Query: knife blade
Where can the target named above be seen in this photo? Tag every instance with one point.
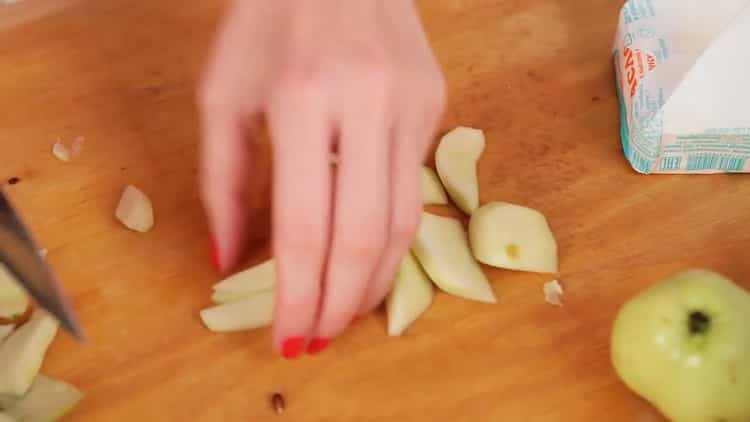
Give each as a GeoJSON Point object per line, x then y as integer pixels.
{"type": "Point", "coordinates": [20, 254]}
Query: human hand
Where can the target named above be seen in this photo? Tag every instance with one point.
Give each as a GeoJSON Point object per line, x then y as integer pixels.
{"type": "Point", "coordinates": [358, 78]}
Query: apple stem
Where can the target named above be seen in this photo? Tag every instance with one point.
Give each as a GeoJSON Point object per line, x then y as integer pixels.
{"type": "Point", "coordinates": [698, 322]}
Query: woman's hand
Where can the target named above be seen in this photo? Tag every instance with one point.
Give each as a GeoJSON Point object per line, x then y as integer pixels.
{"type": "Point", "coordinates": [356, 77]}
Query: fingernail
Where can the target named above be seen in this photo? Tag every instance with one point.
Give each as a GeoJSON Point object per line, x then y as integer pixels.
{"type": "Point", "coordinates": [215, 255]}
{"type": "Point", "coordinates": [292, 347]}
{"type": "Point", "coordinates": [317, 345]}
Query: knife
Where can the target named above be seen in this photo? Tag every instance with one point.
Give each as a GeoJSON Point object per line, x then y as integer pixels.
{"type": "Point", "coordinates": [20, 254]}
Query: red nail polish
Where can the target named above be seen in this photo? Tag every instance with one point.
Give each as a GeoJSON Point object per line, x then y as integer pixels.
{"type": "Point", "coordinates": [292, 347]}
{"type": "Point", "coordinates": [317, 345]}
{"type": "Point", "coordinates": [215, 255]}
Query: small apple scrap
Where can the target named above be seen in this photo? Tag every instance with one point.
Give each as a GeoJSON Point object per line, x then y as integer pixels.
{"type": "Point", "coordinates": [13, 298]}
{"type": "Point", "coordinates": [683, 344]}
{"type": "Point", "coordinates": [552, 292]}
{"type": "Point", "coordinates": [64, 153]}
{"type": "Point", "coordinates": [135, 210]}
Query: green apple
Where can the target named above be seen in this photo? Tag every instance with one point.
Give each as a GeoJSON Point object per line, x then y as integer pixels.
{"type": "Point", "coordinates": [684, 345]}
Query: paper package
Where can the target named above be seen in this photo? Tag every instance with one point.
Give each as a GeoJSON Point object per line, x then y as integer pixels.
{"type": "Point", "coordinates": [683, 80]}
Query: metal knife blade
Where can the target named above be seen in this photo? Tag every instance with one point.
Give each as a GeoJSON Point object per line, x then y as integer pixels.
{"type": "Point", "coordinates": [20, 254]}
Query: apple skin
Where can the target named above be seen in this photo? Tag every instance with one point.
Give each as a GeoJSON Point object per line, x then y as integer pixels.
{"type": "Point", "coordinates": [683, 344]}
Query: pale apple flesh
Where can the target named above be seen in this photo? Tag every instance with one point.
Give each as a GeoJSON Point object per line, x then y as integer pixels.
{"type": "Point", "coordinates": [443, 251]}
{"type": "Point", "coordinates": [47, 400]}
{"type": "Point", "coordinates": [135, 210]}
{"type": "Point", "coordinates": [5, 331]}
{"type": "Point", "coordinates": [13, 298]}
{"type": "Point", "coordinates": [432, 189]}
{"type": "Point", "coordinates": [4, 417]}
{"type": "Point", "coordinates": [513, 237]}
{"type": "Point", "coordinates": [22, 353]}
{"type": "Point", "coordinates": [683, 344]}
{"type": "Point", "coordinates": [255, 311]}
{"type": "Point", "coordinates": [410, 296]}
{"type": "Point", "coordinates": [456, 161]}
{"type": "Point", "coordinates": [252, 280]}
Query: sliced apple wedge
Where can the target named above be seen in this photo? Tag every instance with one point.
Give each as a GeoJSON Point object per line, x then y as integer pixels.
{"type": "Point", "coordinates": [443, 250]}
{"type": "Point", "coordinates": [22, 353]}
{"type": "Point", "coordinates": [252, 312]}
{"type": "Point", "coordinates": [13, 298]}
{"type": "Point", "coordinates": [513, 237]}
{"type": "Point", "coordinates": [410, 296]}
{"type": "Point", "coordinates": [456, 160]}
{"type": "Point", "coordinates": [5, 331]}
{"type": "Point", "coordinates": [135, 210]}
{"type": "Point", "coordinates": [221, 297]}
{"type": "Point", "coordinates": [252, 280]}
{"type": "Point", "coordinates": [432, 189]}
{"type": "Point", "coordinates": [4, 417]}
{"type": "Point", "coordinates": [48, 399]}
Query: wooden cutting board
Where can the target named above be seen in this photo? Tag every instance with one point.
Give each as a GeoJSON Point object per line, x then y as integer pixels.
{"type": "Point", "coordinates": [534, 74]}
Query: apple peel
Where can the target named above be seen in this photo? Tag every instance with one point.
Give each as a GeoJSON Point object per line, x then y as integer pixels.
{"type": "Point", "coordinates": [411, 295]}
{"type": "Point", "coordinates": [443, 251]}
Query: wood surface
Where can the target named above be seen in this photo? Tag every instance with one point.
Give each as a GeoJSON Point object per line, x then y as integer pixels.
{"type": "Point", "coordinates": [534, 74]}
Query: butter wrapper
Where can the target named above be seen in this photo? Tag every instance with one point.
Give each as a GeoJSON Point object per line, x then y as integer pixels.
{"type": "Point", "coordinates": [683, 80]}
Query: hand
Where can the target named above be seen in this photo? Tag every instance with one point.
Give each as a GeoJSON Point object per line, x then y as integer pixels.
{"type": "Point", "coordinates": [356, 77]}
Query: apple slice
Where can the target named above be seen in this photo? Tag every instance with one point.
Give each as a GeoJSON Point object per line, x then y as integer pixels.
{"type": "Point", "coordinates": [456, 160]}
{"type": "Point", "coordinates": [410, 296]}
{"type": "Point", "coordinates": [252, 312]}
{"type": "Point", "coordinates": [13, 297]}
{"type": "Point", "coordinates": [4, 417]}
{"type": "Point", "coordinates": [443, 250]}
{"type": "Point", "coordinates": [48, 399]}
{"type": "Point", "coordinates": [513, 237]}
{"type": "Point", "coordinates": [252, 280]}
{"type": "Point", "coordinates": [221, 297]}
{"type": "Point", "coordinates": [135, 210]}
{"type": "Point", "coordinates": [432, 189]}
{"type": "Point", "coordinates": [5, 331]}
{"type": "Point", "coordinates": [22, 353]}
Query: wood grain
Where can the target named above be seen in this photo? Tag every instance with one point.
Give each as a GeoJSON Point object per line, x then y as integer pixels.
{"type": "Point", "coordinates": [534, 74]}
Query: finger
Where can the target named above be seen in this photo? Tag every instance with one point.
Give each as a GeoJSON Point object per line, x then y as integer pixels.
{"type": "Point", "coordinates": [360, 219]}
{"type": "Point", "coordinates": [405, 212]}
{"type": "Point", "coordinates": [301, 213]}
{"type": "Point", "coordinates": [412, 139]}
{"type": "Point", "coordinates": [225, 166]}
